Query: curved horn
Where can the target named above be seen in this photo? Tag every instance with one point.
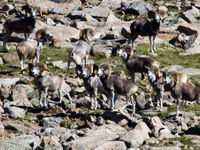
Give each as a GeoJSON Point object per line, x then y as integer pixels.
{"type": "Point", "coordinates": [39, 33]}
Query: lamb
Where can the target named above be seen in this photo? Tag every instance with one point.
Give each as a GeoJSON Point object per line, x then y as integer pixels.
{"type": "Point", "coordinates": [116, 85]}
{"type": "Point", "coordinates": [45, 82]}
{"type": "Point", "coordinates": [24, 25]}
{"type": "Point", "coordinates": [92, 84]}
{"type": "Point", "coordinates": [145, 27]}
{"type": "Point", "coordinates": [136, 63]}
{"type": "Point", "coordinates": [32, 47]}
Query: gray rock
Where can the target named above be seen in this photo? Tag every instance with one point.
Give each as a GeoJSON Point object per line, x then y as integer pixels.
{"type": "Point", "coordinates": [96, 12]}
{"type": "Point", "coordinates": [2, 129]}
{"type": "Point", "coordinates": [8, 81]}
{"type": "Point", "coordinates": [7, 144]}
{"type": "Point", "coordinates": [18, 95]}
{"type": "Point", "coordinates": [101, 51]}
{"type": "Point", "coordinates": [5, 91]}
{"type": "Point", "coordinates": [60, 32]}
{"type": "Point", "coordinates": [116, 145]}
{"type": "Point", "coordinates": [187, 16]}
{"type": "Point", "coordinates": [96, 137]}
{"type": "Point", "coordinates": [112, 4]}
{"type": "Point", "coordinates": [134, 138]}
{"type": "Point", "coordinates": [111, 18]}
{"type": "Point", "coordinates": [51, 143]}
{"type": "Point", "coordinates": [180, 69]}
{"type": "Point", "coordinates": [137, 8]}
{"type": "Point", "coordinates": [58, 10]}
{"type": "Point", "coordinates": [27, 139]}
{"type": "Point", "coordinates": [15, 126]}
{"type": "Point", "coordinates": [11, 58]}
{"type": "Point", "coordinates": [15, 112]}
{"type": "Point", "coordinates": [51, 121]}
{"type": "Point", "coordinates": [157, 125]}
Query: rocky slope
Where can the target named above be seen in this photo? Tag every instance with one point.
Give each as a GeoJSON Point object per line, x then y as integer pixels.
{"type": "Point", "coordinates": [23, 125]}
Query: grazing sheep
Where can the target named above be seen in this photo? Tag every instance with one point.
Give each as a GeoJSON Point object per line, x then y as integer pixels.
{"type": "Point", "coordinates": [136, 63]}
{"type": "Point", "coordinates": [45, 82]}
{"type": "Point", "coordinates": [32, 47]}
{"type": "Point", "coordinates": [25, 24]}
{"type": "Point", "coordinates": [145, 27]}
{"type": "Point", "coordinates": [115, 85]}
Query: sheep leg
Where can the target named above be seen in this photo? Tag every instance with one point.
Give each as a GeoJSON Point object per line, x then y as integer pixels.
{"type": "Point", "coordinates": [133, 105]}
{"type": "Point", "coordinates": [22, 65]}
{"type": "Point", "coordinates": [26, 35]}
{"type": "Point", "coordinates": [68, 65]}
{"type": "Point", "coordinates": [95, 99]}
{"type": "Point", "coordinates": [177, 107]}
{"type": "Point", "coordinates": [70, 98]}
{"type": "Point", "coordinates": [45, 96]}
{"type": "Point", "coordinates": [34, 61]}
{"type": "Point", "coordinates": [112, 100]}
{"type": "Point", "coordinates": [92, 102]}
{"type": "Point", "coordinates": [60, 95]}
{"type": "Point", "coordinates": [37, 57]}
{"type": "Point", "coordinates": [133, 77]}
{"type": "Point", "coordinates": [151, 45]}
{"type": "Point", "coordinates": [5, 40]}
{"type": "Point", "coordinates": [160, 99]}
{"type": "Point", "coordinates": [154, 46]}
{"type": "Point", "coordinates": [40, 98]}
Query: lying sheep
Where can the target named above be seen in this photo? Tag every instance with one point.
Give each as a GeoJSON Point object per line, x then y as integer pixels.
{"type": "Point", "coordinates": [115, 85]}
{"type": "Point", "coordinates": [32, 47]}
{"type": "Point", "coordinates": [25, 24]}
{"type": "Point", "coordinates": [45, 82]}
{"type": "Point", "coordinates": [135, 63]}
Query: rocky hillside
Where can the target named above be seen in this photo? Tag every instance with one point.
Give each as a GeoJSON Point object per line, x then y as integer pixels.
{"type": "Point", "coordinates": [24, 125]}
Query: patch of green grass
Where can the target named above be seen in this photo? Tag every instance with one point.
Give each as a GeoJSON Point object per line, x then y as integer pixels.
{"type": "Point", "coordinates": [183, 140]}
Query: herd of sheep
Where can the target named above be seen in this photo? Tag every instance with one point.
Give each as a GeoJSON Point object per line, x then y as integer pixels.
{"type": "Point", "coordinates": [99, 79]}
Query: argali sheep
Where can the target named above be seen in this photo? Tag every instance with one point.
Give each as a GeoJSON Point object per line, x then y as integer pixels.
{"type": "Point", "coordinates": [116, 85]}
{"type": "Point", "coordinates": [184, 91]}
{"type": "Point", "coordinates": [158, 81]}
{"type": "Point", "coordinates": [135, 63]}
{"type": "Point", "coordinates": [45, 82]}
{"type": "Point", "coordinates": [32, 47]}
{"type": "Point", "coordinates": [24, 25]}
{"type": "Point", "coordinates": [92, 84]}
{"type": "Point", "coordinates": [79, 55]}
{"type": "Point", "coordinates": [145, 27]}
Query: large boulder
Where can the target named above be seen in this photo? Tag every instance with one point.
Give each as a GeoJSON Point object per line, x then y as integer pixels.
{"type": "Point", "coordinates": [96, 12]}
{"type": "Point", "coordinates": [101, 51]}
{"type": "Point", "coordinates": [137, 8]}
{"type": "Point", "coordinates": [134, 138]}
{"type": "Point", "coordinates": [186, 38]}
{"type": "Point", "coordinates": [96, 137]}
